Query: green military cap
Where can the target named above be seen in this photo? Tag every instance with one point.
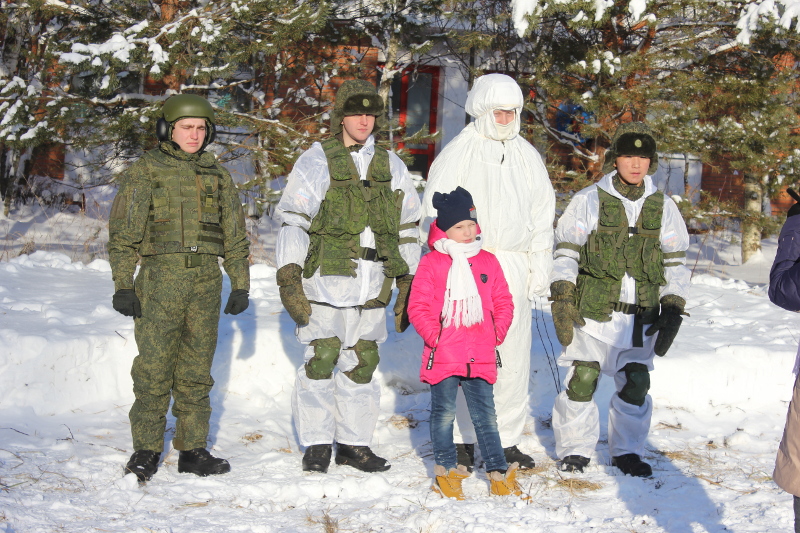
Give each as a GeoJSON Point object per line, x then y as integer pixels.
{"type": "Point", "coordinates": [357, 97]}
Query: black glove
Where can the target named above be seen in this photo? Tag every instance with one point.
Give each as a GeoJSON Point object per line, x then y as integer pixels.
{"type": "Point", "coordinates": [127, 303]}
{"type": "Point", "coordinates": [293, 298]}
{"type": "Point", "coordinates": [565, 313]}
{"type": "Point", "coordinates": [237, 302]}
{"type": "Point", "coordinates": [668, 322]}
{"type": "Point", "coordinates": [403, 283]}
{"type": "Point", "coordinates": [795, 209]}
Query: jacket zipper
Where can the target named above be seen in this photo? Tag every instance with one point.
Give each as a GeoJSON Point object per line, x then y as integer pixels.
{"type": "Point", "coordinates": [469, 370]}
{"type": "Point", "coordinates": [430, 359]}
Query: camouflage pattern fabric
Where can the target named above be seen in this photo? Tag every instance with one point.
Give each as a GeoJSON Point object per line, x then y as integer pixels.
{"type": "Point", "coordinates": [131, 230]}
{"type": "Point", "coordinates": [293, 298]}
{"type": "Point", "coordinates": [401, 321]}
{"type": "Point", "coordinates": [565, 313]}
{"type": "Point", "coordinates": [176, 337]}
{"type": "Point", "coordinates": [631, 192]}
{"type": "Point", "coordinates": [374, 303]}
{"type": "Point", "coordinates": [180, 283]}
{"type": "Point", "coordinates": [635, 128]}
{"type": "Point", "coordinates": [610, 253]}
{"type": "Point", "coordinates": [348, 208]}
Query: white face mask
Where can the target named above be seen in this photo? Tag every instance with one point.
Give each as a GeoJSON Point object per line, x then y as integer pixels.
{"type": "Point", "coordinates": [489, 128]}
{"type": "Point", "coordinates": [506, 131]}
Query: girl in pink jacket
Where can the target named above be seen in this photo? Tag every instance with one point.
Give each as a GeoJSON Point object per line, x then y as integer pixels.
{"type": "Point", "coordinates": [461, 306]}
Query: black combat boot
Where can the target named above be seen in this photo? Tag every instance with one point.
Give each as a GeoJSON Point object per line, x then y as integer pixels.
{"type": "Point", "coordinates": [200, 462]}
{"type": "Point", "coordinates": [143, 464]}
{"type": "Point", "coordinates": [632, 465]}
{"type": "Point", "coordinates": [574, 463]}
{"type": "Point", "coordinates": [317, 458]}
{"type": "Point", "coordinates": [513, 455]}
{"type": "Point", "coordinates": [465, 455]}
{"type": "Point", "coordinates": [360, 457]}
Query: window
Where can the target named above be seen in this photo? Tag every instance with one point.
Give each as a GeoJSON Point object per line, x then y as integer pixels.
{"type": "Point", "coordinates": [415, 102]}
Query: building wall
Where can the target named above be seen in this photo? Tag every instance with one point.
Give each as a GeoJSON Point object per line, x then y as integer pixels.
{"type": "Point", "coordinates": [453, 89]}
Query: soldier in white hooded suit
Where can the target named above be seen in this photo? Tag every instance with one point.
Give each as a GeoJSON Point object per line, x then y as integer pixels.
{"type": "Point", "coordinates": [516, 204]}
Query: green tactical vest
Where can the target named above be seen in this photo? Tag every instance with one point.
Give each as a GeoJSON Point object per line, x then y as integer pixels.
{"type": "Point", "coordinates": [184, 211]}
{"type": "Point", "coordinates": [614, 249]}
{"type": "Point", "coordinates": [349, 206]}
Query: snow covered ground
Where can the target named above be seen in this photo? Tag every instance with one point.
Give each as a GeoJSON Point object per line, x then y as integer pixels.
{"type": "Point", "coordinates": [720, 399]}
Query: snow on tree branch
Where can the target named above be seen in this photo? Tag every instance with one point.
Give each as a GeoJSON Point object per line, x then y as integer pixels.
{"type": "Point", "coordinates": [780, 12]}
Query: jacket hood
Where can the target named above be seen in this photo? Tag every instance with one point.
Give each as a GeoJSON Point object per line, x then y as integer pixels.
{"type": "Point", "coordinates": [435, 234]}
{"type": "Point", "coordinates": [490, 92]}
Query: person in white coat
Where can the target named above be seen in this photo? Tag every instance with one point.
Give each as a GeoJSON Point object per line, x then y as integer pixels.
{"type": "Point", "coordinates": [349, 214]}
{"type": "Point", "coordinates": [512, 192]}
{"type": "Point", "coordinates": [619, 266]}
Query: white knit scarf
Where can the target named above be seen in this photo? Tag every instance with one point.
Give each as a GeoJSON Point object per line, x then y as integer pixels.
{"type": "Point", "coordinates": [462, 302]}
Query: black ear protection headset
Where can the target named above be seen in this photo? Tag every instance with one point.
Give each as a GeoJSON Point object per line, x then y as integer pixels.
{"type": "Point", "coordinates": [164, 131]}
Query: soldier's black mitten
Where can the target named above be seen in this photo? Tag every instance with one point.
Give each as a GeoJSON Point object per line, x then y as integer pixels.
{"type": "Point", "coordinates": [668, 322]}
{"type": "Point", "coordinates": [401, 321]}
{"type": "Point", "coordinates": [127, 303]}
{"type": "Point", "coordinates": [565, 312]}
{"type": "Point", "coordinates": [238, 301]}
{"type": "Point", "coordinates": [290, 283]}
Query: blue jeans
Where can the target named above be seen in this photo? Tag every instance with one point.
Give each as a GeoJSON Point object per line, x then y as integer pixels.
{"type": "Point", "coordinates": [480, 401]}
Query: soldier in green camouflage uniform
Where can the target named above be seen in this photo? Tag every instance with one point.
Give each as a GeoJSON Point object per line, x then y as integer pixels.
{"type": "Point", "coordinates": [349, 214]}
{"type": "Point", "coordinates": [177, 210]}
{"type": "Point", "coordinates": [619, 266]}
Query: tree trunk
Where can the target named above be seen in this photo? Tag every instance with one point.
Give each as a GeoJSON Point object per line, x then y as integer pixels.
{"type": "Point", "coordinates": [687, 188]}
{"type": "Point", "coordinates": [470, 79]}
{"type": "Point", "coordinates": [751, 229]}
{"type": "Point", "coordinates": [168, 9]}
{"type": "Point", "coordinates": [385, 86]}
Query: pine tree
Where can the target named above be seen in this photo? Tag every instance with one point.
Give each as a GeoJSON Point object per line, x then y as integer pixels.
{"type": "Point", "coordinates": [400, 29]}
{"type": "Point", "coordinates": [682, 67]}
{"type": "Point", "coordinates": [101, 53]}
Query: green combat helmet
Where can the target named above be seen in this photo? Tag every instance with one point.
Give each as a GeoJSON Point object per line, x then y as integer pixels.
{"type": "Point", "coordinates": [632, 139]}
{"type": "Point", "coordinates": [185, 106]}
{"type": "Point", "coordinates": [357, 97]}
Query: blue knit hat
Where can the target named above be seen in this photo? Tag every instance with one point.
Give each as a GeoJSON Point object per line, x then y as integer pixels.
{"type": "Point", "coordinates": [453, 207]}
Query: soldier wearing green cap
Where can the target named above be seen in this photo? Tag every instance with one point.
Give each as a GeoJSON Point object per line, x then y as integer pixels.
{"type": "Point", "coordinates": [619, 266]}
{"type": "Point", "coordinates": [349, 214]}
{"type": "Point", "coordinates": [176, 212]}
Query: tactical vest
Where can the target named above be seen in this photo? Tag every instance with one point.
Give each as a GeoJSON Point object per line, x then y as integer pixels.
{"type": "Point", "coordinates": [349, 206]}
{"type": "Point", "coordinates": [614, 249]}
{"type": "Point", "coordinates": [184, 211]}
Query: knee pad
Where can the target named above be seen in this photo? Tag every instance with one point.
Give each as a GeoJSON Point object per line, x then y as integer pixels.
{"type": "Point", "coordinates": [583, 382]}
{"type": "Point", "coordinates": [367, 353]}
{"type": "Point", "coordinates": [326, 354]}
{"type": "Point", "coordinates": [636, 385]}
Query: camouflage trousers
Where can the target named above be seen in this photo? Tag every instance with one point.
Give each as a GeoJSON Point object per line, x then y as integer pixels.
{"type": "Point", "coordinates": [176, 338]}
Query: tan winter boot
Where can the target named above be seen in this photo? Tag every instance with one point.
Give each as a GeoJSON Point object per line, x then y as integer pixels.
{"type": "Point", "coordinates": [506, 485]}
{"type": "Point", "coordinates": [448, 484]}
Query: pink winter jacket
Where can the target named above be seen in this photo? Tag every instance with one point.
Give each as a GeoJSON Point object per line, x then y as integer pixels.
{"type": "Point", "coordinates": [464, 351]}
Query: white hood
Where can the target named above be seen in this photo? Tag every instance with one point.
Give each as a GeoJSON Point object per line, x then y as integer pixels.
{"type": "Point", "coordinates": [490, 92]}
